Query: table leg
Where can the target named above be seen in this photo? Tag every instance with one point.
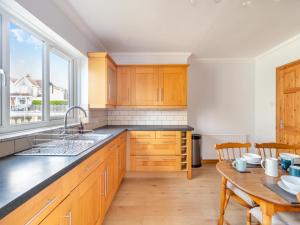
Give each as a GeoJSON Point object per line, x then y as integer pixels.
{"type": "Point", "coordinates": [267, 213]}
{"type": "Point", "coordinates": [222, 201]}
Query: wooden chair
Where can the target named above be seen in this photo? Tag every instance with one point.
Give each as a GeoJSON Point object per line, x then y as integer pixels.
{"type": "Point", "coordinates": [231, 151]}
{"type": "Point", "coordinates": [273, 149]}
{"type": "Point", "coordinates": [281, 218]}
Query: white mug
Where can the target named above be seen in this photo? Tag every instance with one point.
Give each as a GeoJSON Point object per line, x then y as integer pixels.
{"type": "Point", "coordinates": [270, 167]}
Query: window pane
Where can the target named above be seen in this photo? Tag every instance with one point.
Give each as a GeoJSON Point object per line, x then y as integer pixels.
{"type": "Point", "coordinates": [26, 73]}
{"type": "Point", "coordinates": [59, 85]}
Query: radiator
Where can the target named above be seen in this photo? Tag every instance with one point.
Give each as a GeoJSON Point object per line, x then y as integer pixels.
{"type": "Point", "coordinates": [209, 140]}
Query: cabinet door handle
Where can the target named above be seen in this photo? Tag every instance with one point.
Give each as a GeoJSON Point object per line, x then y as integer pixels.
{"type": "Point", "coordinates": [69, 217]}
{"type": "Point", "coordinates": [157, 94]}
{"type": "Point", "coordinates": [162, 94]}
{"type": "Point", "coordinates": [48, 203]}
{"type": "Point", "coordinates": [128, 95]}
{"type": "Point", "coordinates": [105, 182]}
{"type": "Point", "coordinates": [108, 91]}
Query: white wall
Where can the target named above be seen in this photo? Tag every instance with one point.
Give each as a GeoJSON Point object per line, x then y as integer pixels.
{"type": "Point", "coordinates": [221, 99]}
{"type": "Point", "coordinates": [53, 17]}
{"type": "Point", "coordinates": [265, 87]}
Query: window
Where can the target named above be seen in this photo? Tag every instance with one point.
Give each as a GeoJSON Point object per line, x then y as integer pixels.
{"type": "Point", "coordinates": [40, 71]}
{"type": "Point", "coordinates": [59, 85]}
{"type": "Point", "coordinates": [26, 76]}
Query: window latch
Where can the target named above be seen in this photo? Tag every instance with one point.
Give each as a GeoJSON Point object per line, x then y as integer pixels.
{"type": "Point", "coordinates": [3, 77]}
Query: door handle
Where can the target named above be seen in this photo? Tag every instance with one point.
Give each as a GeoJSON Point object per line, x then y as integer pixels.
{"type": "Point", "coordinates": [162, 94]}
{"type": "Point", "coordinates": [48, 203]}
{"type": "Point", "coordinates": [69, 217]}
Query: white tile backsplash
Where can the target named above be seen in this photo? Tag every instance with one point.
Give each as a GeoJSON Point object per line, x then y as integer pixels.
{"type": "Point", "coordinates": [146, 117]}
{"type": "Point", "coordinates": [97, 118]}
{"type": "Point", "coordinates": [102, 117]}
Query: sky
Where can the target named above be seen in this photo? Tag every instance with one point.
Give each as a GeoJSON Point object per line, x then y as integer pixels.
{"type": "Point", "coordinates": [26, 53]}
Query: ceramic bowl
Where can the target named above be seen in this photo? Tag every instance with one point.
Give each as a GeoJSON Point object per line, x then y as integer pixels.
{"type": "Point", "coordinates": [289, 156]}
{"type": "Point", "coordinates": [252, 158]}
{"type": "Point", "coordinates": [291, 182]}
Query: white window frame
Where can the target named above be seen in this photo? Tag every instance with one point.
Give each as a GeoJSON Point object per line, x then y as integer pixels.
{"type": "Point", "coordinates": [51, 43]}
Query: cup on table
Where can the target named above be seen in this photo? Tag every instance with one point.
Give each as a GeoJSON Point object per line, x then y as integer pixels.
{"type": "Point", "coordinates": [286, 163]}
{"type": "Point", "coordinates": [294, 171]}
{"type": "Point", "coordinates": [240, 164]}
{"type": "Point", "coordinates": [270, 165]}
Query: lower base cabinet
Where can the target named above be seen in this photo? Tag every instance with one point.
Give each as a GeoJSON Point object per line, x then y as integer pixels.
{"type": "Point", "coordinates": [61, 215]}
{"type": "Point", "coordinates": [88, 203]}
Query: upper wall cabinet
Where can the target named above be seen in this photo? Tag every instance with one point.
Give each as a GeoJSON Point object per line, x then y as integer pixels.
{"type": "Point", "coordinates": [102, 81]}
{"type": "Point", "coordinates": [163, 86]}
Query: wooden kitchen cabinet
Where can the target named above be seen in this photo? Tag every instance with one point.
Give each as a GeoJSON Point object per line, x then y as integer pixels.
{"type": "Point", "coordinates": [145, 86]}
{"type": "Point", "coordinates": [124, 84]}
{"type": "Point", "coordinates": [102, 81]}
{"type": "Point", "coordinates": [122, 159]}
{"type": "Point", "coordinates": [62, 214]}
{"type": "Point", "coordinates": [160, 151]}
{"type": "Point", "coordinates": [88, 199]}
{"type": "Point", "coordinates": [152, 86]}
{"type": "Point", "coordinates": [172, 86]}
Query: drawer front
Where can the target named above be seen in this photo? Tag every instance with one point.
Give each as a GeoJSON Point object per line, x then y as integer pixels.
{"type": "Point", "coordinates": [38, 207]}
{"type": "Point", "coordinates": [91, 163]}
{"type": "Point", "coordinates": [168, 134]}
{"type": "Point", "coordinates": [142, 134]}
{"type": "Point", "coordinates": [155, 163]}
{"type": "Point", "coordinates": [155, 147]}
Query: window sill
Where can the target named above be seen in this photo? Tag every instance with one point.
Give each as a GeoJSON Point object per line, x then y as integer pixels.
{"type": "Point", "coordinates": [24, 133]}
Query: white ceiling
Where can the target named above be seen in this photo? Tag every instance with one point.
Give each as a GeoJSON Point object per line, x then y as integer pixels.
{"type": "Point", "coordinates": [206, 29]}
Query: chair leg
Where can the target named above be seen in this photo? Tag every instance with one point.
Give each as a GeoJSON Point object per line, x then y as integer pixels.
{"type": "Point", "coordinates": [222, 201]}
{"type": "Point", "coordinates": [226, 201]}
{"type": "Point", "coordinates": [248, 217]}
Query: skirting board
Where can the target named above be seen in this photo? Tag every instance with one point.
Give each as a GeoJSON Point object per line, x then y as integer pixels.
{"type": "Point", "coordinates": [210, 161]}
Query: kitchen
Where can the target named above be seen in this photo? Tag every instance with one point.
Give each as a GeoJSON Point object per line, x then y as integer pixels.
{"type": "Point", "coordinates": [98, 111]}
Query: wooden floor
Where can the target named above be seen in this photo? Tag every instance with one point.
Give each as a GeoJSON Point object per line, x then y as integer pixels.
{"type": "Point", "coordinates": [170, 199]}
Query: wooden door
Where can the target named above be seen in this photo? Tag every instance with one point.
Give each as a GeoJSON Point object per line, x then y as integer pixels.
{"type": "Point", "coordinates": [124, 85]}
{"type": "Point", "coordinates": [288, 103]}
{"type": "Point", "coordinates": [61, 215]}
{"type": "Point", "coordinates": [145, 86]}
{"type": "Point", "coordinates": [111, 83]}
{"type": "Point", "coordinates": [172, 86]}
{"type": "Point", "coordinates": [88, 197]}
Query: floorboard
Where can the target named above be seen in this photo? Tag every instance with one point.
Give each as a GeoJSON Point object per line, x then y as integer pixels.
{"type": "Point", "coordinates": [171, 199]}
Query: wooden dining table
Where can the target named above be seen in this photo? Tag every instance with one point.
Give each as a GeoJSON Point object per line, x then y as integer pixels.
{"type": "Point", "coordinates": [252, 183]}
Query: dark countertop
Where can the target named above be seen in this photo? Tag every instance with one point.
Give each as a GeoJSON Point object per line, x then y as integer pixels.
{"type": "Point", "coordinates": [151, 127]}
{"type": "Point", "coordinates": [22, 177]}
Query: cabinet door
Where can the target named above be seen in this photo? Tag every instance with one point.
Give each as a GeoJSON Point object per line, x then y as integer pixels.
{"type": "Point", "coordinates": [111, 84]}
{"type": "Point", "coordinates": [145, 86]}
{"type": "Point", "coordinates": [121, 161]}
{"type": "Point", "coordinates": [61, 215]}
{"type": "Point", "coordinates": [172, 86]}
{"type": "Point", "coordinates": [124, 85]}
{"type": "Point", "coordinates": [88, 199]}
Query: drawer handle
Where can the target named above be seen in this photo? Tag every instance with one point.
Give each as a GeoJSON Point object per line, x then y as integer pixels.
{"type": "Point", "coordinates": [48, 203]}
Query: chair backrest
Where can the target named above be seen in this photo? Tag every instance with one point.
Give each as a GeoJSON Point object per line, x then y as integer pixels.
{"type": "Point", "coordinates": [273, 149]}
{"type": "Point", "coordinates": [231, 151]}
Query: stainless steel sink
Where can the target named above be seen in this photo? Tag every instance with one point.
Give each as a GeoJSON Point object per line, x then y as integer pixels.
{"type": "Point", "coordinates": [64, 145]}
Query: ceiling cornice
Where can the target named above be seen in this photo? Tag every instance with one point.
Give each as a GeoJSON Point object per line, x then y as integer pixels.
{"type": "Point", "coordinates": [225, 60]}
{"type": "Point", "coordinates": [128, 58]}
{"type": "Point", "coordinates": [70, 12]}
